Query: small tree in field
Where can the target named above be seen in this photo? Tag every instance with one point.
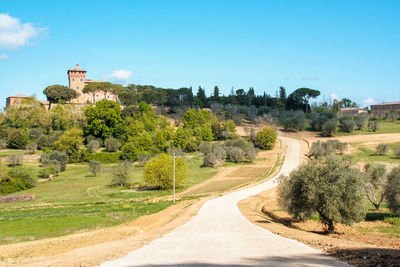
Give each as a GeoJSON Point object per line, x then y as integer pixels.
{"type": "Point", "coordinates": [95, 167]}
{"type": "Point", "coordinates": [329, 128]}
{"type": "Point", "coordinates": [159, 171]}
{"type": "Point", "coordinates": [112, 144]}
{"type": "Point", "coordinates": [375, 181]}
{"type": "Point", "coordinates": [393, 190]}
{"type": "Point", "coordinates": [266, 138]}
{"type": "Point", "coordinates": [16, 159]}
{"type": "Point", "coordinates": [373, 126]}
{"type": "Point", "coordinates": [382, 149]}
{"type": "Point", "coordinates": [122, 174]}
{"type": "Point", "coordinates": [31, 147]}
{"type": "Point", "coordinates": [330, 188]}
{"type": "Point", "coordinates": [396, 152]}
{"type": "Point", "coordinates": [3, 144]}
{"type": "Point", "coordinates": [210, 160]}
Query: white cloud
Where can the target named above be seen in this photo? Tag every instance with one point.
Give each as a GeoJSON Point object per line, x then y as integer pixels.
{"type": "Point", "coordinates": [121, 75]}
{"type": "Point", "coordinates": [3, 57]}
{"type": "Point", "coordinates": [333, 97]}
{"type": "Point", "coordinates": [369, 101]}
{"type": "Point", "coordinates": [14, 34]}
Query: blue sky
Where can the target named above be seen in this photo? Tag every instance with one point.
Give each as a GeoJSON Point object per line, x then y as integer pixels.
{"type": "Point", "coordinates": [347, 48]}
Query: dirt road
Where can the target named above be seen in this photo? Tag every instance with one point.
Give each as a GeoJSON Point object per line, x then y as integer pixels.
{"type": "Point", "coordinates": [220, 235]}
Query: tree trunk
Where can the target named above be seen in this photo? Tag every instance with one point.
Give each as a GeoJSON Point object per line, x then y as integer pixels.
{"type": "Point", "coordinates": [376, 205]}
{"type": "Point", "coordinates": [331, 227]}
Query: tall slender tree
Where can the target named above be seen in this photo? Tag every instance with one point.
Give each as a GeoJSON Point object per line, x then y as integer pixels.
{"type": "Point", "coordinates": [216, 93]}
{"type": "Point", "coordinates": [201, 95]}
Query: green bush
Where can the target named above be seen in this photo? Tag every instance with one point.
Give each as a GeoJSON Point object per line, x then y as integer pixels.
{"type": "Point", "coordinates": [250, 153]}
{"type": "Point", "coordinates": [266, 138]}
{"type": "Point", "coordinates": [159, 171]}
{"type": "Point", "coordinates": [373, 126]}
{"type": "Point", "coordinates": [25, 176]}
{"type": "Point", "coordinates": [47, 171]}
{"type": "Point", "coordinates": [205, 148]}
{"type": "Point", "coordinates": [18, 139]}
{"type": "Point", "coordinates": [396, 152]}
{"type": "Point", "coordinates": [129, 152]}
{"type": "Point", "coordinates": [105, 157]}
{"type": "Point", "coordinates": [144, 157]}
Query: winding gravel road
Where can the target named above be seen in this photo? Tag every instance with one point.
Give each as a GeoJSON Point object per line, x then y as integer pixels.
{"type": "Point", "coordinates": [219, 235]}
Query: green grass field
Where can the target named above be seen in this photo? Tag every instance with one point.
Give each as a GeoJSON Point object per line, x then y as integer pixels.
{"type": "Point", "coordinates": [385, 127]}
{"type": "Point", "coordinates": [365, 154]}
{"type": "Point", "coordinates": [75, 201]}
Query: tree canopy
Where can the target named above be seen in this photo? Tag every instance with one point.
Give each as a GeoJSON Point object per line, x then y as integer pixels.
{"type": "Point", "coordinates": [56, 93]}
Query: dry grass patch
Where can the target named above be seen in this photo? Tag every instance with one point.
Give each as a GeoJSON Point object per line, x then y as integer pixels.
{"type": "Point", "coordinates": [248, 172]}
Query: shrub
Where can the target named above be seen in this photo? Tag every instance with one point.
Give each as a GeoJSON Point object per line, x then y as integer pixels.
{"type": "Point", "coordinates": [69, 143]}
{"type": "Point", "coordinates": [210, 160]}
{"type": "Point", "coordinates": [329, 128]}
{"type": "Point", "coordinates": [266, 138]}
{"type": "Point", "coordinates": [159, 171]}
{"type": "Point", "coordinates": [47, 171]}
{"type": "Point", "coordinates": [393, 190]}
{"type": "Point", "coordinates": [331, 188]}
{"type": "Point", "coordinates": [105, 157]}
{"type": "Point", "coordinates": [324, 149]}
{"type": "Point", "coordinates": [235, 154]}
{"type": "Point", "coordinates": [373, 126]}
{"type": "Point", "coordinates": [31, 147]}
{"type": "Point", "coordinates": [3, 144]}
{"type": "Point", "coordinates": [16, 159]}
{"type": "Point", "coordinates": [205, 148]}
{"type": "Point", "coordinates": [25, 176]}
{"type": "Point", "coordinates": [35, 133]}
{"type": "Point", "coordinates": [347, 125]}
{"type": "Point", "coordinates": [122, 174]}
{"type": "Point", "coordinates": [56, 158]}
{"type": "Point", "coordinates": [112, 144]}
{"type": "Point", "coordinates": [18, 139]}
{"type": "Point", "coordinates": [129, 152]}
{"type": "Point", "coordinates": [95, 167]}
{"type": "Point", "coordinates": [382, 149]}
{"type": "Point", "coordinates": [144, 157]}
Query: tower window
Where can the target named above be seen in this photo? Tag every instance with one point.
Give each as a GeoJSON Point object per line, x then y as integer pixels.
{"type": "Point", "coordinates": [81, 80]}
{"type": "Point", "coordinates": [73, 79]}
{"type": "Point", "coordinates": [77, 88]}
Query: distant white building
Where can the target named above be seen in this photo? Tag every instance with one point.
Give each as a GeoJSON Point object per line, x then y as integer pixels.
{"type": "Point", "coordinates": [352, 111]}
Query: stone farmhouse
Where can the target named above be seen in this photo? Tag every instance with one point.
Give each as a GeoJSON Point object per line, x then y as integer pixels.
{"type": "Point", "coordinates": [352, 111]}
{"type": "Point", "coordinates": [385, 108]}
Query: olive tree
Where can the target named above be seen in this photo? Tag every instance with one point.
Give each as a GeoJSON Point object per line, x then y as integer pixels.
{"type": "Point", "coordinates": [31, 147]}
{"type": "Point", "coordinates": [112, 144]}
{"type": "Point", "coordinates": [95, 167]}
{"type": "Point", "coordinates": [122, 174]}
{"type": "Point", "coordinates": [393, 190]}
{"type": "Point", "coordinates": [375, 181]}
{"type": "Point", "coordinates": [382, 149]}
{"type": "Point", "coordinates": [330, 187]}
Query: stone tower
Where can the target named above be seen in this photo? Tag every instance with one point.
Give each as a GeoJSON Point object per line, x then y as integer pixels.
{"type": "Point", "coordinates": [76, 78]}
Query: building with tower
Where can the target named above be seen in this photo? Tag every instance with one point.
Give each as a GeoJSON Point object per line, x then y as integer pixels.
{"type": "Point", "coordinates": [77, 81]}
